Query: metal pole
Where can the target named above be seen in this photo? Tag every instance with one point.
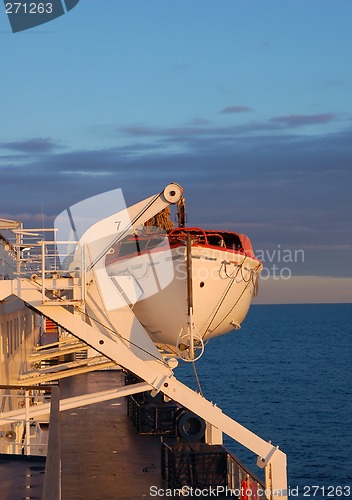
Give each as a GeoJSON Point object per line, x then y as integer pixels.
{"type": "Point", "coordinates": [28, 427]}
{"type": "Point", "coordinates": [190, 294]}
{"type": "Point", "coordinates": [43, 270]}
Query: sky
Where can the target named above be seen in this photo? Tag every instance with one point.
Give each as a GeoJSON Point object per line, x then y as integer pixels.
{"type": "Point", "coordinates": [246, 103]}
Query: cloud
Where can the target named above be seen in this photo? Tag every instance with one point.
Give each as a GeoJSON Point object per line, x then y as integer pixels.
{"type": "Point", "coordinates": [139, 130]}
{"type": "Point", "coordinates": [194, 134]}
{"type": "Point", "coordinates": [201, 134]}
{"type": "Point", "coordinates": [202, 122]}
{"type": "Point", "coordinates": [236, 109]}
{"type": "Point", "coordinates": [303, 120]}
{"type": "Point", "coordinates": [280, 188]}
{"type": "Point", "coordinates": [35, 145]}
{"type": "Point", "coordinates": [198, 132]}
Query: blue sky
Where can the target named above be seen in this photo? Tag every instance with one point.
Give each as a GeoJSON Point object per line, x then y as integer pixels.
{"type": "Point", "coordinates": [246, 103]}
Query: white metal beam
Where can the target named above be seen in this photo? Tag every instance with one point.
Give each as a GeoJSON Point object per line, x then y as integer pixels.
{"type": "Point", "coordinates": [42, 411]}
{"type": "Point", "coordinates": [41, 378]}
{"type": "Point", "coordinates": [38, 356]}
{"type": "Point", "coordinates": [159, 376]}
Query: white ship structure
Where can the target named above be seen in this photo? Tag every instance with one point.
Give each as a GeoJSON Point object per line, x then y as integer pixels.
{"type": "Point", "coordinates": [124, 293]}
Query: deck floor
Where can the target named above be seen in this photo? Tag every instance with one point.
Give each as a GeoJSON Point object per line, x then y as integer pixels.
{"type": "Point", "coordinates": [21, 477]}
{"type": "Point", "coordinates": [103, 458]}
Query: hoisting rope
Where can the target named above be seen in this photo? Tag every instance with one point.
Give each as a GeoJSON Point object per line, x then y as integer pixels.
{"type": "Point", "coordinates": [161, 220]}
{"type": "Point", "coordinates": [118, 335]}
{"type": "Point", "coordinates": [114, 333]}
{"type": "Point", "coordinates": [197, 378]}
{"type": "Point", "coordinates": [181, 212]}
{"type": "Point", "coordinates": [233, 280]}
{"type": "Point", "coordinates": [124, 232]}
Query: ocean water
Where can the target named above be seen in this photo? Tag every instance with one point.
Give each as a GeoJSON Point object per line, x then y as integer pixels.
{"type": "Point", "coordinates": [287, 376]}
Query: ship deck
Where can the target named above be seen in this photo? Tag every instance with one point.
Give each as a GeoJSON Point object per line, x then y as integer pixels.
{"type": "Point", "coordinates": [102, 456]}
{"type": "Point", "coordinates": [21, 477]}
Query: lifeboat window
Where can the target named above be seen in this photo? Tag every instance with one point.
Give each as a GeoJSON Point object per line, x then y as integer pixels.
{"type": "Point", "coordinates": [233, 241]}
{"type": "Point", "coordinates": [127, 247]}
{"type": "Point", "coordinates": [180, 235]}
{"type": "Point", "coordinates": [216, 240]}
{"type": "Point", "coordinates": [154, 242]}
{"type": "Point", "coordinates": [138, 245]}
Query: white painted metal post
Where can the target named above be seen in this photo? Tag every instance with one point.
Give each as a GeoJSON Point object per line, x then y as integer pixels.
{"type": "Point", "coordinates": [213, 435]}
{"type": "Point", "coordinates": [28, 426]}
{"type": "Point", "coordinates": [42, 243]}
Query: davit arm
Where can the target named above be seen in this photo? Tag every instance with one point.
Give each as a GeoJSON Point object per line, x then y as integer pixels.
{"type": "Point", "coordinates": [121, 348]}
{"type": "Point", "coordinates": [105, 233]}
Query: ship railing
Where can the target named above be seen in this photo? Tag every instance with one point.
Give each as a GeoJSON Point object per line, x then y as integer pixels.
{"type": "Point", "coordinates": [201, 467]}
{"type": "Point", "coordinates": [151, 418]}
{"type": "Point", "coordinates": [23, 437]}
{"type": "Point", "coordinates": [46, 261]}
{"type": "Point", "coordinates": [60, 284]}
{"type": "Point", "coordinates": [28, 246]}
{"type": "Point", "coordinates": [241, 479]}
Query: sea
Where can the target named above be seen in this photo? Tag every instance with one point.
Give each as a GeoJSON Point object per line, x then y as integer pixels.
{"type": "Point", "coordinates": [287, 376]}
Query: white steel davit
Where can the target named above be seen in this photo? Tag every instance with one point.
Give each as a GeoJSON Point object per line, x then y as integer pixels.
{"type": "Point", "coordinates": [141, 297]}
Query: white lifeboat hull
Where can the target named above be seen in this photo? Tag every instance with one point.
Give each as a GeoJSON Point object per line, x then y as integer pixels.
{"type": "Point", "coordinates": [156, 285]}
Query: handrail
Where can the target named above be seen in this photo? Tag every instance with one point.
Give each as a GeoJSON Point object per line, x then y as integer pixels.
{"type": "Point", "coordinates": [46, 261]}
{"type": "Point", "coordinates": [187, 230]}
{"type": "Point", "coordinates": [24, 387]}
{"type": "Point", "coordinates": [240, 477]}
{"type": "Point", "coordinates": [26, 396]}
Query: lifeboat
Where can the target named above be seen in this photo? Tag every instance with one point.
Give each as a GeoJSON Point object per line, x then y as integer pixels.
{"type": "Point", "coordinates": [186, 285]}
